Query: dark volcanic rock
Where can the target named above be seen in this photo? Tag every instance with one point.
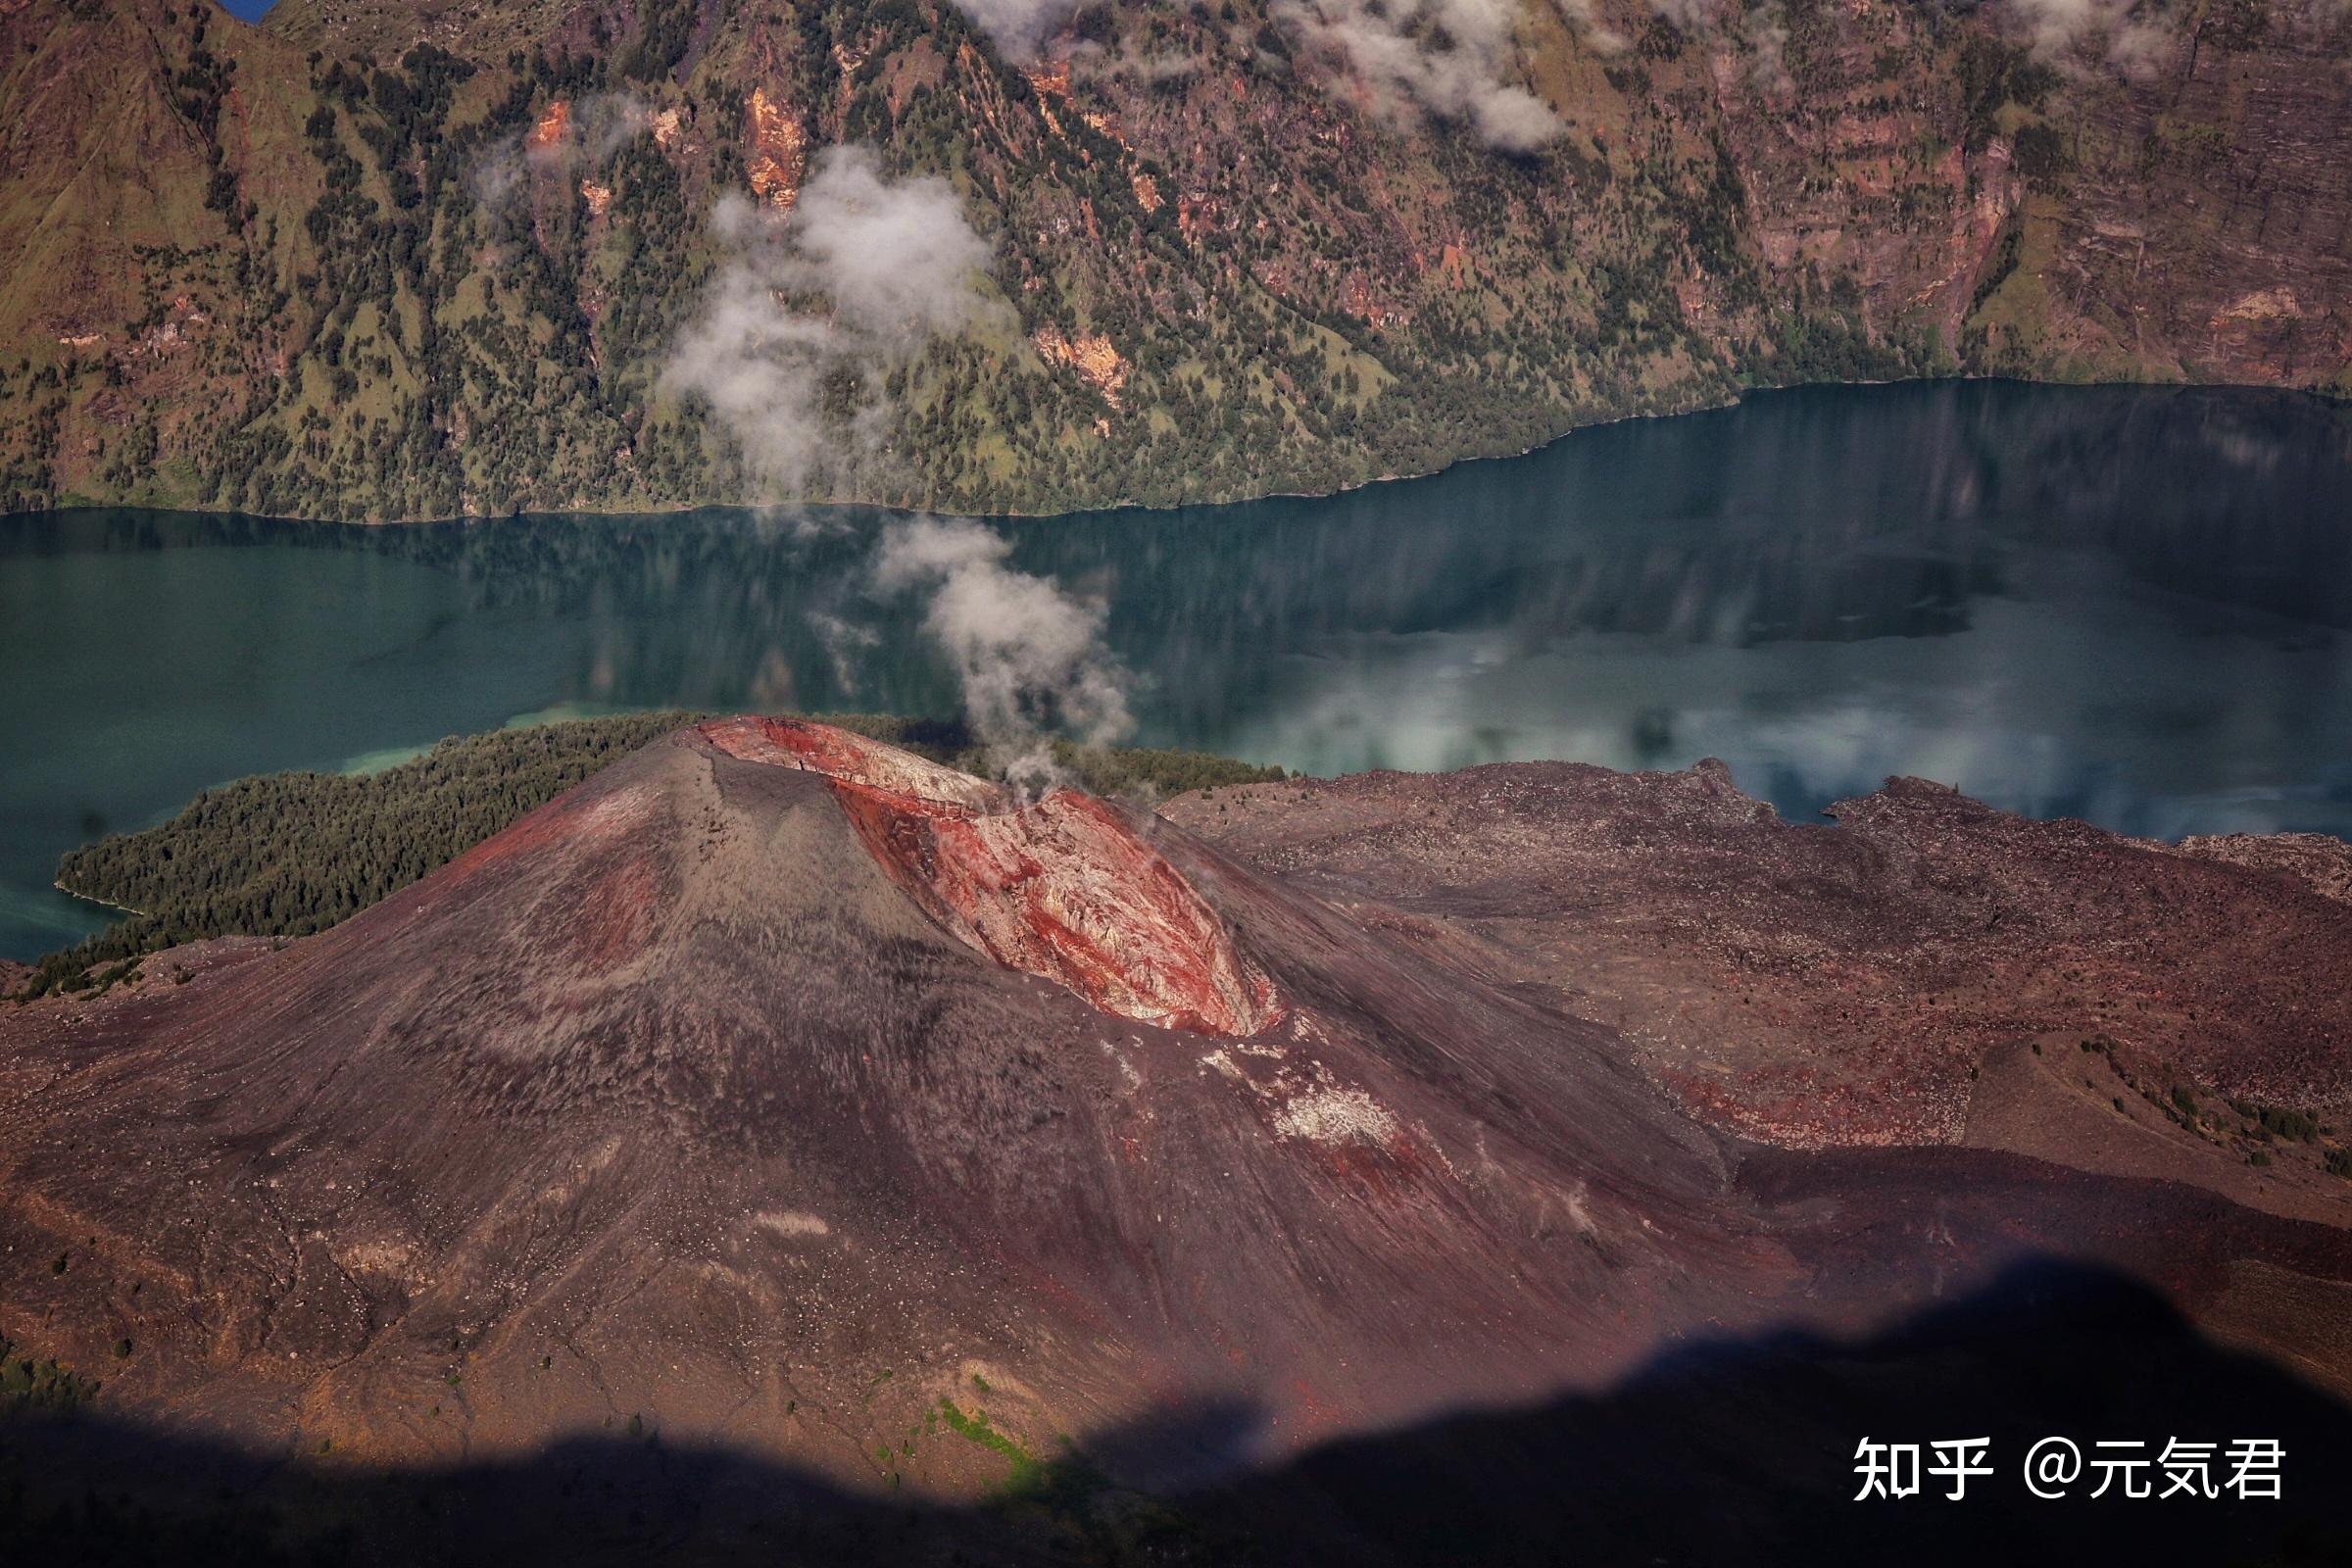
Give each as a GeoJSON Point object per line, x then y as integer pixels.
{"type": "Point", "coordinates": [1814, 985]}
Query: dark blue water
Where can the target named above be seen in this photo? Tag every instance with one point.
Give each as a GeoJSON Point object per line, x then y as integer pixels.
{"type": "Point", "coordinates": [2125, 605]}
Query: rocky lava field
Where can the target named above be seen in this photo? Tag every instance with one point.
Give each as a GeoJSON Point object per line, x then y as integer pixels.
{"type": "Point", "coordinates": [845, 1158]}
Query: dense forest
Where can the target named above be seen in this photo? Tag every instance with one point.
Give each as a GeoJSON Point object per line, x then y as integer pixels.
{"type": "Point", "coordinates": [286, 854]}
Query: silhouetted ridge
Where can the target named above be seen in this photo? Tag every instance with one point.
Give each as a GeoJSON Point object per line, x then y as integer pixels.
{"type": "Point", "coordinates": [1725, 1451]}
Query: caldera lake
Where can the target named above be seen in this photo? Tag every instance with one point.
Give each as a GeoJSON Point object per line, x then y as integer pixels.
{"type": "Point", "coordinates": [2128, 605]}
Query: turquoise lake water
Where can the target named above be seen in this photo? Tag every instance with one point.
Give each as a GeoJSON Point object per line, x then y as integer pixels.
{"type": "Point", "coordinates": [2129, 605]}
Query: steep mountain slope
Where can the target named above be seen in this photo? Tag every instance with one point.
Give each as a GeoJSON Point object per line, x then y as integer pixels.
{"type": "Point", "coordinates": [1225, 255]}
{"type": "Point", "coordinates": [677, 1099]}
{"type": "Point", "coordinates": [140, 278]}
{"type": "Point", "coordinates": [782, 1091]}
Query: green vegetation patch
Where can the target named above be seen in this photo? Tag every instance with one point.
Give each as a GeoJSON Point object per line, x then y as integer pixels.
{"type": "Point", "coordinates": [1066, 1491]}
{"type": "Point", "coordinates": [285, 854]}
{"type": "Point", "coordinates": [1142, 772]}
{"type": "Point", "coordinates": [32, 1385]}
{"type": "Point", "coordinates": [1028, 1475]}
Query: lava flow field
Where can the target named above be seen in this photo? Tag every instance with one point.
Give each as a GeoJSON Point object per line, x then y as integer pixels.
{"type": "Point", "coordinates": [783, 1100]}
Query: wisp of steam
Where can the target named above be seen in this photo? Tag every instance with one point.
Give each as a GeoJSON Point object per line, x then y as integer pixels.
{"type": "Point", "coordinates": [1029, 659]}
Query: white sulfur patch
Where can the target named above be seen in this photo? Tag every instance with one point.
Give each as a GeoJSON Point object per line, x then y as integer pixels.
{"type": "Point", "coordinates": [1130, 1080]}
{"type": "Point", "coordinates": [1337, 1116]}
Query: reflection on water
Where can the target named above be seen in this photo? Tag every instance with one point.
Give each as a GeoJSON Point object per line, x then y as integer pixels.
{"type": "Point", "coordinates": [2126, 605]}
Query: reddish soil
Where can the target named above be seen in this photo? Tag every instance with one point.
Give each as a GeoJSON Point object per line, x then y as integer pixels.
{"type": "Point", "coordinates": [1818, 985]}
{"type": "Point", "coordinates": [1064, 887]}
{"type": "Point", "coordinates": [773, 1087]}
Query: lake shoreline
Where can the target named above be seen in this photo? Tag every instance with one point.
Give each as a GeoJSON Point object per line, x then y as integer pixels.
{"type": "Point", "coordinates": [92, 898]}
{"type": "Point", "coordinates": [2059, 599]}
{"type": "Point", "coordinates": [1117, 507]}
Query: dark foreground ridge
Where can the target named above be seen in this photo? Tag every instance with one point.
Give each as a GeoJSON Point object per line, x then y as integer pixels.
{"type": "Point", "coordinates": [781, 1114]}
{"type": "Point", "coordinates": [1719, 1450]}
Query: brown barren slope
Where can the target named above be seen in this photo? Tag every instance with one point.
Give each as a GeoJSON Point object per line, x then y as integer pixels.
{"type": "Point", "coordinates": [716, 1097]}
{"type": "Point", "coordinates": [1810, 985]}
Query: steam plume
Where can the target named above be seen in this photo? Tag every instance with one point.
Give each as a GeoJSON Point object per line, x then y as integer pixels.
{"type": "Point", "coordinates": [1029, 659]}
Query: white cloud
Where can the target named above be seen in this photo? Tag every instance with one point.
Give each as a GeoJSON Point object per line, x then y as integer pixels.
{"type": "Point", "coordinates": [797, 328]}
{"type": "Point", "coordinates": [1405, 58]}
{"type": "Point", "coordinates": [1692, 16]}
{"type": "Point", "coordinates": [2133, 35]}
{"type": "Point", "coordinates": [896, 257]}
{"type": "Point", "coordinates": [1584, 17]}
{"type": "Point", "coordinates": [1443, 58]}
{"type": "Point", "coordinates": [1019, 27]}
{"type": "Point", "coordinates": [1766, 32]}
